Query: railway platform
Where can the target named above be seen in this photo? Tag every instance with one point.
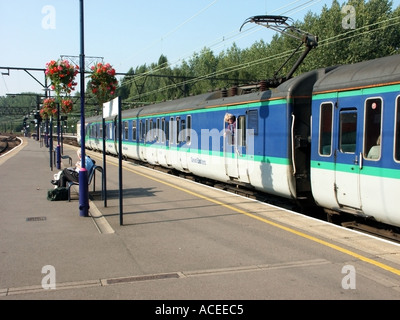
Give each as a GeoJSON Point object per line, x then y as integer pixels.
{"type": "Point", "coordinates": [179, 241]}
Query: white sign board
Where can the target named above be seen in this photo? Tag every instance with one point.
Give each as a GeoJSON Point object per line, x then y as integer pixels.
{"type": "Point", "coordinates": [110, 108]}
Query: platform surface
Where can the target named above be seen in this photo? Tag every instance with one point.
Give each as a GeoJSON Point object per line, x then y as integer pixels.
{"type": "Point", "coordinates": [179, 240]}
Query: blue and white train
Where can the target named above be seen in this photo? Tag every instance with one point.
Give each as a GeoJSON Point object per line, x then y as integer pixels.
{"type": "Point", "coordinates": [330, 137]}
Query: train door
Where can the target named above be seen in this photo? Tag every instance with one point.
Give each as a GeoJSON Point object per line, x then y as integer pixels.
{"type": "Point", "coordinates": [372, 183]}
{"type": "Point", "coordinates": [115, 134]}
{"type": "Point", "coordinates": [347, 157]}
{"type": "Point", "coordinates": [182, 146]}
{"type": "Point", "coordinates": [174, 153]}
{"type": "Point", "coordinates": [164, 139]}
{"type": "Point", "coordinates": [245, 144]}
{"type": "Point", "coordinates": [125, 137]}
{"type": "Point", "coordinates": [230, 150]}
{"type": "Point", "coordinates": [169, 129]}
{"type": "Point", "coordinates": [184, 140]}
{"type": "Point", "coordinates": [235, 147]}
{"type": "Point", "coordinates": [142, 139]}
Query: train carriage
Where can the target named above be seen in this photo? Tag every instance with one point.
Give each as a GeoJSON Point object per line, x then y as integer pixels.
{"type": "Point", "coordinates": [269, 152]}
{"type": "Point", "coordinates": [355, 160]}
{"type": "Point", "coordinates": [329, 138]}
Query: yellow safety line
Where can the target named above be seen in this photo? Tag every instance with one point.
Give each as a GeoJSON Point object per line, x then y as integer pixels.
{"type": "Point", "coordinates": [301, 234]}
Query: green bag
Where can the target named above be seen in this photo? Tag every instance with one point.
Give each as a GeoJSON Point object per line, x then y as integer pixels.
{"type": "Point", "coordinates": [57, 194]}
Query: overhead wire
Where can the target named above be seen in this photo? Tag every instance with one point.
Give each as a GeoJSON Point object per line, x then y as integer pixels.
{"type": "Point", "coordinates": [238, 67]}
{"type": "Point", "coordinates": [232, 35]}
{"type": "Point", "coordinates": [217, 43]}
{"type": "Point", "coordinates": [322, 43]}
{"type": "Point", "coordinates": [169, 33]}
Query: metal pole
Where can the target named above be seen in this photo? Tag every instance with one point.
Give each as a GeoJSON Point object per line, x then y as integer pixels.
{"type": "Point", "coordinates": [51, 143]}
{"type": "Point", "coordinates": [83, 177]}
{"type": "Point", "coordinates": [46, 134]}
{"type": "Point", "coordinates": [121, 214]}
{"type": "Point", "coordinates": [37, 118]}
{"type": "Point", "coordinates": [104, 163]}
{"type": "Point", "coordinates": [58, 151]}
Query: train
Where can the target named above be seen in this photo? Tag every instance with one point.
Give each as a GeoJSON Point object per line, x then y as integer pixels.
{"type": "Point", "coordinates": [328, 138]}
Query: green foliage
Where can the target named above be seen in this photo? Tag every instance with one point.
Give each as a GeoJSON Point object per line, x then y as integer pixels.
{"type": "Point", "coordinates": [13, 122]}
{"type": "Point", "coordinates": [376, 34]}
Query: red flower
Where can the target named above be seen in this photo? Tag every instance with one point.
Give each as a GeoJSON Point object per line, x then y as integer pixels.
{"type": "Point", "coordinates": [61, 74]}
{"type": "Point", "coordinates": [66, 105]}
{"type": "Point", "coordinates": [103, 82]}
{"type": "Point", "coordinates": [49, 108]}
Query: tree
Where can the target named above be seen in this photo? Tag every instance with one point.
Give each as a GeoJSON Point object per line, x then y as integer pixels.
{"type": "Point", "coordinates": [376, 34]}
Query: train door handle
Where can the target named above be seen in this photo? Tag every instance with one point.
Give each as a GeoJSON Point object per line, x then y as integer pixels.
{"type": "Point", "coordinates": [358, 160]}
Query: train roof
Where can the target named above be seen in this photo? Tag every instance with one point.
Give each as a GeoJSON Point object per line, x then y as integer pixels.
{"type": "Point", "coordinates": [300, 86]}
{"type": "Point", "coordinates": [375, 72]}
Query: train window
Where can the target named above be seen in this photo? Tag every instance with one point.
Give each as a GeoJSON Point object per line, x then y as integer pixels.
{"type": "Point", "coordinates": [188, 129]}
{"type": "Point", "coordinates": [116, 130]}
{"type": "Point", "coordinates": [252, 120]}
{"type": "Point", "coordinates": [182, 132]}
{"type": "Point", "coordinates": [348, 131]}
{"type": "Point", "coordinates": [154, 129]}
{"type": "Point", "coordinates": [397, 132]}
{"type": "Point", "coordinates": [142, 130]}
{"type": "Point", "coordinates": [146, 130]}
{"type": "Point", "coordinates": [372, 128]}
{"type": "Point", "coordinates": [134, 130]}
{"type": "Point", "coordinates": [171, 131]}
{"type": "Point", "coordinates": [158, 129]}
{"type": "Point", "coordinates": [325, 129]}
{"type": "Point", "coordinates": [163, 133]}
{"type": "Point", "coordinates": [151, 130]}
{"type": "Point", "coordinates": [110, 131]}
{"type": "Point", "coordinates": [153, 134]}
{"type": "Point", "coordinates": [101, 130]}
{"type": "Point", "coordinates": [177, 128]}
{"type": "Point", "coordinates": [241, 131]}
{"type": "Point", "coordinates": [126, 130]}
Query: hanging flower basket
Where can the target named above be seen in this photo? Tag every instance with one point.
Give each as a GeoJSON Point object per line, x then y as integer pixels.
{"type": "Point", "coordinates": [103, 82]}
{"type": "Point", "coordinates": [49, 108]}
{"type": "Point", "coordinates": [61, 74]}
{"type": "Point", "coordinates": [66, 105]}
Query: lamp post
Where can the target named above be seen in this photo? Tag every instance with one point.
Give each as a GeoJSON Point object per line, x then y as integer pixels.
{"type": "Point", "coordinates": [83, 177]}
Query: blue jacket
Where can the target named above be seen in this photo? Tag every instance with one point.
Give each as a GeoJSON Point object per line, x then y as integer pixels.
{"type": "Point", "coordinates": [89, 164]}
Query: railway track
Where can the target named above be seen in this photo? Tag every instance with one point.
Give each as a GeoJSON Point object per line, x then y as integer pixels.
{"type": "Point", "coordinates": [7, 143]}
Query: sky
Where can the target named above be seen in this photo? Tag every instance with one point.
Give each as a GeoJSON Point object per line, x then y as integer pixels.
{"type": "Point", "coordinates": [128, 33]}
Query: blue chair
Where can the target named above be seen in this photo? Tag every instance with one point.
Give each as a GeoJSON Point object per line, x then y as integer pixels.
{"type": "Point", "coordinates": [91, 177]}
